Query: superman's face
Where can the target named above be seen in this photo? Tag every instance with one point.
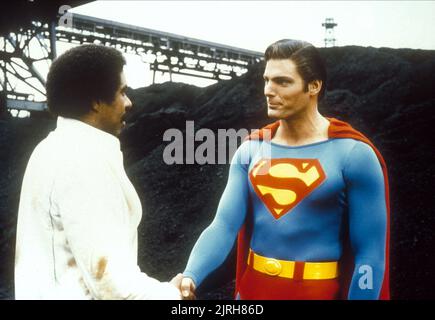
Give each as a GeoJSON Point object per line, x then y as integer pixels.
{"type": "Point", "coordinates": [284, 89]}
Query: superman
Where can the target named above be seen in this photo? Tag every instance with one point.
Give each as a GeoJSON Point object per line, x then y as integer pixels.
{"type": "Point", "coordinates": [306, 198]}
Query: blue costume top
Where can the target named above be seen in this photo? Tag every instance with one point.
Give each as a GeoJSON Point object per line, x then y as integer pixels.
{"type": "Point", "coordinates": [303, 199]}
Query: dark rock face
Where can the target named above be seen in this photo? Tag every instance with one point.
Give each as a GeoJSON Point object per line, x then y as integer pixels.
{"type": "Point", "coordinates": [385, 93]}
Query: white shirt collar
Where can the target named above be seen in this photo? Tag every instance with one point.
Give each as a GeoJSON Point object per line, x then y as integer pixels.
{"type": "Point", "coordinates": [80, 128]}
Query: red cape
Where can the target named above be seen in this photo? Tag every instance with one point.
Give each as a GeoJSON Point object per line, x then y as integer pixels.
{"type": "Point", "coordinates": [337, 129]}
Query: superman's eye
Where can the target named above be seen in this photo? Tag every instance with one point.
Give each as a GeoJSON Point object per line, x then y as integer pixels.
{"type": "Point", "coordinates": [283, 82]}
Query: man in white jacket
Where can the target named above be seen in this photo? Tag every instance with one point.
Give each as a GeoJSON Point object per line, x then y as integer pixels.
{"type": "Point", "coordinates": [79, 212]}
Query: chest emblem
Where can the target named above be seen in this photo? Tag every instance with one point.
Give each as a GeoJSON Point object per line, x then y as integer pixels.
{"type": "Point", "coordinates": [283, 183]}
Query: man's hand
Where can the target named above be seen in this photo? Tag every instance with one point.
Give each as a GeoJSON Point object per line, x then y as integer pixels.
{"type": "Point", "coordinates": [176, 281]}
{"type": "Point", "coordinates": [187, 289]}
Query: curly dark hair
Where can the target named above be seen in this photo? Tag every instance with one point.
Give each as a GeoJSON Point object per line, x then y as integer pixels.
{"type": "Point", "coordinates": [309, 63]}
{"type": "Point", "coordinates": [82, 76]}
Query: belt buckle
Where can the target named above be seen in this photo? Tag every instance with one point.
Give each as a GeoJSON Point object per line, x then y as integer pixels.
{"type": "Point", "coordinates": [272, 267]}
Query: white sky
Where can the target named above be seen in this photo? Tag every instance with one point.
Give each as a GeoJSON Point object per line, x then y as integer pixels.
{"type": "Point", "coordinates": [256, 24]}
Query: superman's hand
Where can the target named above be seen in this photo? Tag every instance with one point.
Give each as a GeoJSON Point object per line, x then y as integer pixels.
{"type": "Point", "coordinates": [187, 289]}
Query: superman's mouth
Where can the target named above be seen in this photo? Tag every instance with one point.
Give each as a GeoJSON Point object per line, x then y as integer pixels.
{"type": "Point", "coordinates": [273, 106]}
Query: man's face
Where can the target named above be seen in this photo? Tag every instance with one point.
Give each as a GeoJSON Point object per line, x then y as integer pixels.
{"type": "Point", "coordinates": [111, 116]}
{"type": "Point", "coordinates": [284, 89]}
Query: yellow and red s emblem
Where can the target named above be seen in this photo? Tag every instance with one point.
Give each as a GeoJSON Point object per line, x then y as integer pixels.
{"type": "Point", "coordinates": [282, 183]}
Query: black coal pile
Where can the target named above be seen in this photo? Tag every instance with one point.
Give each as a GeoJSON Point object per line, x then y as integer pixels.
{"type": "Point", "coordinates": [385, 93]}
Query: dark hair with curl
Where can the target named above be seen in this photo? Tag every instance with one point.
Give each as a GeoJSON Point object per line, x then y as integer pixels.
{"type": "Point", "coordinates": [309, 63]}
{"type": "Point", "coordinates": [82, 76]}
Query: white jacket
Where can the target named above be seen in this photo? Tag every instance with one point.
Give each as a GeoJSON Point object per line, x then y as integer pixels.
{"type": "Point", "coordinates": [77, 222]}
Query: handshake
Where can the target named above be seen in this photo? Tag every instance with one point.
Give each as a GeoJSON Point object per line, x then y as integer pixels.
{"type": "Point", "coordinates": [185, 285]}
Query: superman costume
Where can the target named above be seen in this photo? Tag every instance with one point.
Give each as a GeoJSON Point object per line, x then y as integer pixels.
{"type": "Point", "coordinates": [313, 220]}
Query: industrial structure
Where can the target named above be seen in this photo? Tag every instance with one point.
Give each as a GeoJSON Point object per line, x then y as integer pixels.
{"type": "Point", "coordinates": [31, 39]}
{"type": "Point", "coordinates": [329, 39]}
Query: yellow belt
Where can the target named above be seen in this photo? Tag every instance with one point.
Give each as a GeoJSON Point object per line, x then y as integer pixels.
{"type": "Point", "coordinates": [286, 269]}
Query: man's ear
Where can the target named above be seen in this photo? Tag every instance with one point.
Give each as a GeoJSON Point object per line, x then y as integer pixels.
{"type": "Point", "coordinates": [96, 106]}
{"type": "Point", "coordinates": [314, 87]}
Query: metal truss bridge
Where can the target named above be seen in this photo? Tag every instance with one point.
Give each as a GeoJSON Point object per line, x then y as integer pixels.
{"type": "Point", "coordinates": [22, 48]}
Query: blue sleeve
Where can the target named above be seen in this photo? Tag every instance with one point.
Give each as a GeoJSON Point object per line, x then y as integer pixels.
{"type": "Point", "coordinates": [367, 221]}
{"type": "Point", "coordinates": [217, 240]}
